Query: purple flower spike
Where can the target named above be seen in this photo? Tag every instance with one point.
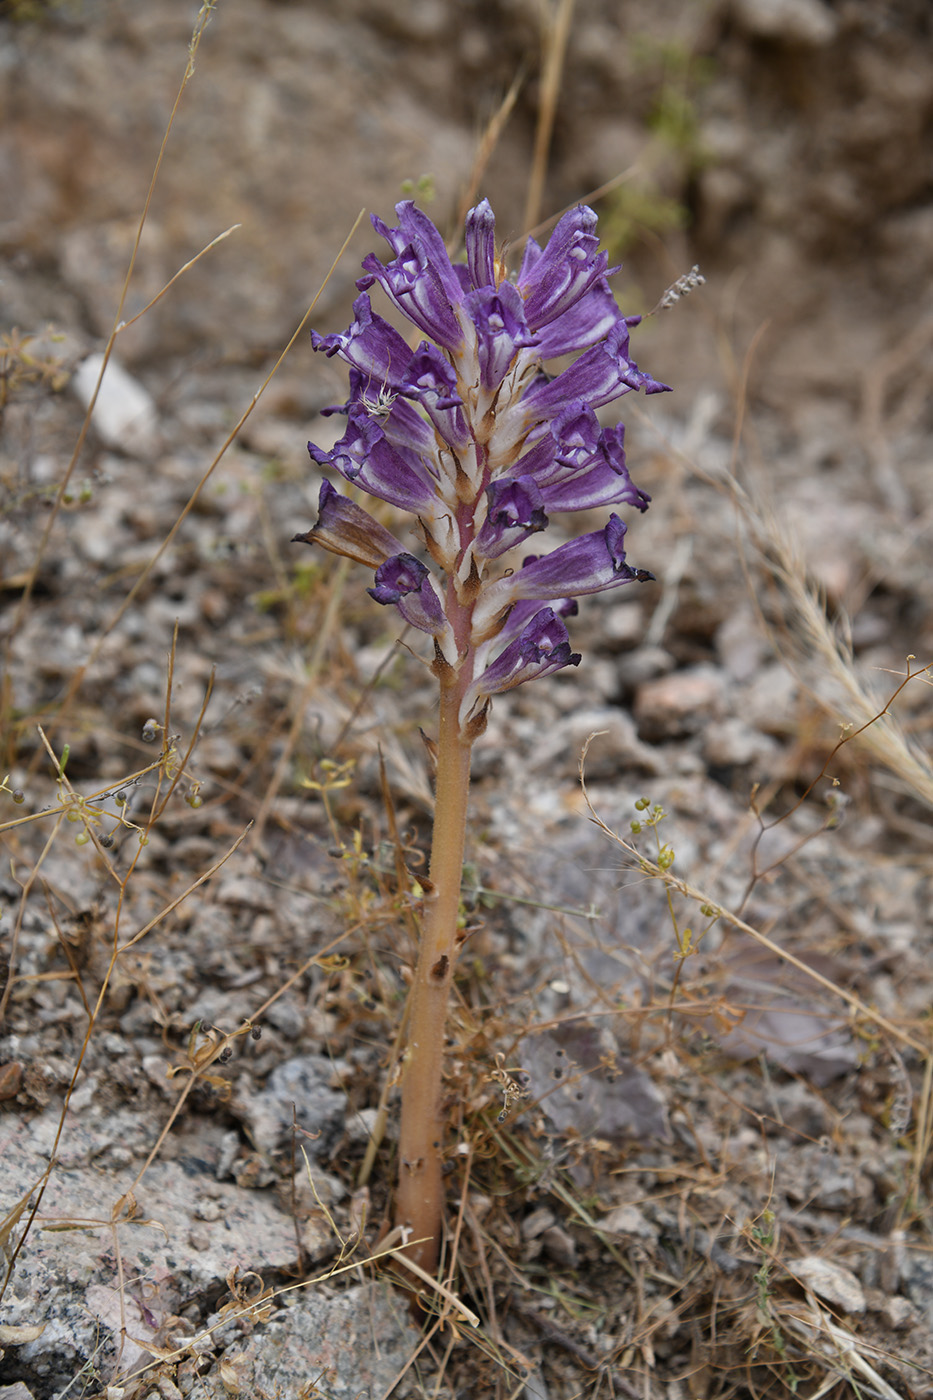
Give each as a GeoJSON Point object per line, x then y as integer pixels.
{"type": "Point", "coordinates": [472, 436]}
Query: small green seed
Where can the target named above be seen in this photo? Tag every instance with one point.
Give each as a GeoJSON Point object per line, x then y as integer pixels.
{"type": "Point", "coordinates": [82, 838]}
{"type": "Point", "coordinates": [18, 796]}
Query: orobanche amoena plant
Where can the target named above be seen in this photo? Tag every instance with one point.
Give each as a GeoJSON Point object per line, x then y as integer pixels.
{"type": "Point", "coordinates": [470, 436]}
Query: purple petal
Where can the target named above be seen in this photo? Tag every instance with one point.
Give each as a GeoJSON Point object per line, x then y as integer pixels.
{"type": "Point", "coordinates": [553, 281]}
{"type": "Point", "coordinates": [583, 324]}
{"type": "Point", "coordinates": [432, 380]}
{"type": "Point", "coordinates": [371, 345]}
{"type": "Point", "coordinates": [589, 467]}
{"type": "Point", "coordinates": [481, 244]}
{"type": "Point", "coordinates": [499, 317]}
{"type": "Point", "coordinates": [598, 376]}
{"type": "Point", "coordinates": [405, 582]}
{"type": "Point", "coordinates": [365, 457]}
{"type": "Point", "coordinates": [345, 528]}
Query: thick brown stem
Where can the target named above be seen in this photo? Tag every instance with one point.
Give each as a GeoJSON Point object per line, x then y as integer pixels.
{"type": "Point", "coordinates": [420, 1197]}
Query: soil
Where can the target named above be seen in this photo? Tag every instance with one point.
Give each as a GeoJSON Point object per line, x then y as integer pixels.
{"type": "Point", "coordinates": [712, 1177]}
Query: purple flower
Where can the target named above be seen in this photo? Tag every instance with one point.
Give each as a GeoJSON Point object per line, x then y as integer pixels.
{"type": "Point", "coordinates": [515, 510]}
{"type": "Point", "coordinates": [542, 646]}
{"type": "Point", "coordinates": [345, 528]}
{"type": "Point", "coordinates": [589, 564]}
{"type": "Point", "coordinates": [404, 581]}
{"type": "Point", "coordinates": [419, 280]}
{"type": "Point", "coordinates": [470, 435]}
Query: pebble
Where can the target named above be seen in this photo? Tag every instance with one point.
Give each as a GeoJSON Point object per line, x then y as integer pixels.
{"type": "Point", "coordinates": [795, 21]}
{"type": "Point", "coordinates": [832, 1282]}
{"type": "Point", "coordinates": [124, 415]}
{"type": "Point", "coordinates": [731, 742]}
{"type": "Point", "coordinates": [629, 1220]}
{"type": "Point", "coordinates": [678, 704]}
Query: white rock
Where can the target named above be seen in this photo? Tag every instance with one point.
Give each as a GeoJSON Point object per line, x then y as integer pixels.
{"type": "Point", "coordinates": [124, 415]}
{"type": "Point", "coordinates": [837, 1285]}
{"type": "Point", "coordinates": [628, 1220]}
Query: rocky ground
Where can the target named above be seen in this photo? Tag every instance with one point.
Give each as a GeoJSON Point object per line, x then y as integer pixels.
{"type": "Point", "coordinates": [720, 1182]}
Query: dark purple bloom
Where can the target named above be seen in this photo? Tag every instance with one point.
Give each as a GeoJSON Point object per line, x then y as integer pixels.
{"type": "Point", "coordinates": [480, 242]}
{"type": "Point", "coordinates": [498, 313]}
{"type": "Point", "coordinates": [404, 581]}
{"type": "Point", "coordinates": [542, 646]}
{"type": "Point", "coordinates": [370, 344]}
{"type": "Point", "coordinates": [559, 278]}
{"type": "Point", "coordinates": [515, 510]}
{"type": "Point", "coordinates": [419, 280]}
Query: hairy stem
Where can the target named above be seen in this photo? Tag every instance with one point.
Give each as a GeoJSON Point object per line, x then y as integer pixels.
{"type": "Point", "coordinates": [420, 1196]}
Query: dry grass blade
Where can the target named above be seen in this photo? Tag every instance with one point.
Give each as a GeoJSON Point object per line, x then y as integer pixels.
{"type": "Point", "coordinates": [818, 651]}
{"type": "Point", "coordinates": [699, 897]}
{"type": "Point", "coordinates": [201, 23]}
{"type": "Point", "coordinates": [842, 1350]}
{"type": "Point", "coordinates": [822, 657]}
{"type": "Point", "coordinates": [555, 34]}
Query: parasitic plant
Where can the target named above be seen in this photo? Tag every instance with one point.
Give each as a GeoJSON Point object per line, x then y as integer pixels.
{"type": "Point", "coordinates": [469, 435]}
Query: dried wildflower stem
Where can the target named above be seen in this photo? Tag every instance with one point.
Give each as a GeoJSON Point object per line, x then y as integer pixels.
{"type": "Point", "coordinates": [419, 1201]}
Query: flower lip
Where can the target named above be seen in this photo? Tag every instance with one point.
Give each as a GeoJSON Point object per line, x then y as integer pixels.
{"type": "Point", "coordinates": [370, 344]}
{"type": "Point", "coordinates": [404, 582]}
{"type": "Point", "coordinates": [515, 510]}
